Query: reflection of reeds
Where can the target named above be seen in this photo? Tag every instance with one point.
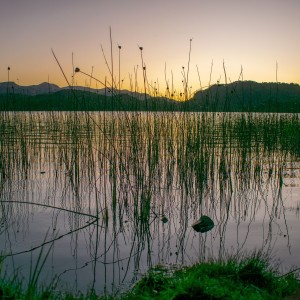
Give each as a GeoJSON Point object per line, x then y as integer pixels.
{"type": "Point", "coordinates": [199, 145]}
{"type": "Point", "coordinates": [189, 151]}
{"type": "Point", "coordinates": [156, 164]}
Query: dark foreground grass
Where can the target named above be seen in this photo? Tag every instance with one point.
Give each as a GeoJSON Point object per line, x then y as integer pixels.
{"type": "Point", "coordinates": [252, 278]}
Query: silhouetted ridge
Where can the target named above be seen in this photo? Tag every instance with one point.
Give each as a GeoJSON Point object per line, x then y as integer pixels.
{"type": "Point", "coordinates": [248, 96]}
{"type": "Point", "coordinates": [239, 96]}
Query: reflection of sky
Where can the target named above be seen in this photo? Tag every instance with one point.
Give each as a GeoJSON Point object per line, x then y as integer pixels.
{"type": "Point", "coordinates": [250, 213]}
{"type": "Point", "coordinates": [254, 34]}
{"type": "Point", "coordinates": [76, 251]}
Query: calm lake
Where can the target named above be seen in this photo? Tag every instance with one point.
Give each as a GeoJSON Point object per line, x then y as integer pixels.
{"type": "Point", "coordinates": [93, 200]}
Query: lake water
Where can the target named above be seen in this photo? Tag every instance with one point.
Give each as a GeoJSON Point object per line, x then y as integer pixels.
{"type": "Point", "coordinates": [94, 200]}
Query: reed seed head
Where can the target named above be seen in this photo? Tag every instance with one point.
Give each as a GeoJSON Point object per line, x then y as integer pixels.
{"type": "Point", "coordinates": [8, 68]}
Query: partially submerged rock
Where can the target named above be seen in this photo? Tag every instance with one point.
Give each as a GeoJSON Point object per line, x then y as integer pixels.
{"type": "Point", "coordinates": [164, 219]}
{"type": "Point", "coordinates": [204, 224]}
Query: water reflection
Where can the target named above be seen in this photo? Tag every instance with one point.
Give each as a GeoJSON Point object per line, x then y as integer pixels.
{"type": "Point", "coordinates": [112, 194]}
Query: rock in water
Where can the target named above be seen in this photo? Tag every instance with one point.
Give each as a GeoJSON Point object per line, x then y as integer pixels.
{"type": "Point", "coordinates": [204, 224]}
{"type": "Point", "coordinates": [164, 219]}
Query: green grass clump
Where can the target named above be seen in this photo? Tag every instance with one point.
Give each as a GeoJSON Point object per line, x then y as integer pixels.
{"type": "Point", "coordinates": [249, 279]}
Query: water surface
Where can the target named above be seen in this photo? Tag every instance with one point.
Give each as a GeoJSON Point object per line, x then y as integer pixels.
{"type": "Point", "coordinates": [110, 195]}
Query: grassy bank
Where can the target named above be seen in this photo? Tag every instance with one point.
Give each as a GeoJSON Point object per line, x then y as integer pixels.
{"type": "Point", "coordinates": [251, 278]}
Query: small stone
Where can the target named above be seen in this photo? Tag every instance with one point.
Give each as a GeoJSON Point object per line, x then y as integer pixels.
{"type": "Point", "coordinates": [204, 224]}
{"type": "Point", "coordinates": [164, 219]}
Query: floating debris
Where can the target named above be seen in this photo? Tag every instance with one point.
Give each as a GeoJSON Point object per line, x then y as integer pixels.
{"type": "Point", "coordinates": [204, 224]}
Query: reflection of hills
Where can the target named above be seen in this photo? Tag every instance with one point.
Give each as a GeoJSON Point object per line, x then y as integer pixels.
{"type": "Point", "coordinates": [236, 96]}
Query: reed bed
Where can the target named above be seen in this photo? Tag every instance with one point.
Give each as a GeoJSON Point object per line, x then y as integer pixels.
{"type": "Point", "coordinates": [139, 180]}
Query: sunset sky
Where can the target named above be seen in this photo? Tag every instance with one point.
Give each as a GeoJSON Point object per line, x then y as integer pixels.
{"type": "Point", "coordinates": [252, 34]}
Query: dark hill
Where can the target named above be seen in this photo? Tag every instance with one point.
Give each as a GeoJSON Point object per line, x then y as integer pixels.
{"type": "Point", "coordinates": [43, 88]}
{"type": "Point", "coordinates": [248, 96]}
{"type": "Point", "coordinates": [77, 100]}
{"type": "Point", "coordinates": [237, 96]}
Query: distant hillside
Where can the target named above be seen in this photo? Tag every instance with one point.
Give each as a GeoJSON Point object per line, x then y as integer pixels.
{"type": "Point", "coordinates": [237, 96]}
{"type": "Point", "coordinates": [248, 96]}
{"type": "Point", "coordinates": [48, 88]}
{"type": "Point", "coordinates": [77, 100]}
{"type": "Point", "coordinates": [32, 90]}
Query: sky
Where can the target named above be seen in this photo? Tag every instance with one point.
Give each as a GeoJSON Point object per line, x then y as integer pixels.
{"type": "Point", "coordinates": [251, 40]}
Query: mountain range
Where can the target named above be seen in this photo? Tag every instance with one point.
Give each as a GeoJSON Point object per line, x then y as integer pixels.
{"type": "Point", "coordinates": [236, 96]}
{"type": "Point", "coordinates": [48, 88]}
